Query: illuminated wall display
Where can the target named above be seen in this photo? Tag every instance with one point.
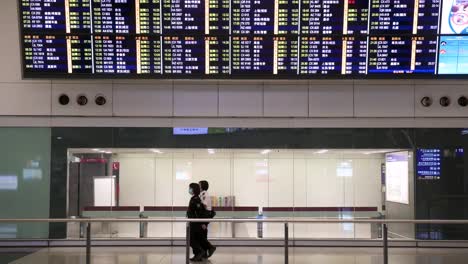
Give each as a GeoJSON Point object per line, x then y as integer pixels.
{"type": "Point", "coordinates": [244, 38]}
{"type": "Point", "coordinates": [397, 177]}
{"type": "Point", "coordinates": [428, 163]}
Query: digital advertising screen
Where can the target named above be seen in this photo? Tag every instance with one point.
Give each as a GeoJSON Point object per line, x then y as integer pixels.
{"type": "Point", "coordinates": [397, 177]}
{"type": "Point", "coordinates": [245, 39]}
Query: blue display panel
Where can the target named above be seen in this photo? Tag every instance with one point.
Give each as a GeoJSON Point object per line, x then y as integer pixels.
{"type": "Point", "coordinates": [247, 38]}
{"type": "Point", "coordinates": [400, 55]}
{"type": "Point", "coordinates": [183, 17]}
{"type": "Point", "coordinates": [219, 16]}
{"type": "Point", "coordinates": [453, 55]}
{"type": "Point", "coordinates": [148, 16]}
{"type": "Point", "coordinates": [321, 55]}
{"type": "Point", "coordinates": [149, 56]}
{"type": "Point", "coordinates": [285, 55]}
{"type": "Point", "coordinates": [428, 163]}
{"type": "Point", "coordinates": [322, 17]}
{"type": "Point", "coordinates": [355, 60]}
{"type": "Point", "coordinates": [428, 17]}
{"type": "Point", "coordinates": [44, 53]}
{"type": "Point", "coordinates": [253, 17]}
{"type": "Point", "coordinates": [252, 55]}
{"type": "Point", "coordinates": [113, 16]}
{"type": "Point", "coordinates": [217, 55]}
{"type": "Point", "coordinates": [42, 16]}
{"type": "Point", "coordinates": [79, 54]}
{"type": "Point", "coordinates": [287, 17]}
{"type": "Point", "coordinates": [114, 55]}
{"type": "Point", "coordinates": [356, 17]}
{"type": "Point", "coordinates": [183, 55]}
{"type": "Point", "coordinates": [394, 16]}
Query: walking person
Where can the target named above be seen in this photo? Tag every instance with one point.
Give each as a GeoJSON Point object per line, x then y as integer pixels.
{"type": "Point", "coordinates": [196, 209]}
{"type": "Point", "coordinates": [206, 200]}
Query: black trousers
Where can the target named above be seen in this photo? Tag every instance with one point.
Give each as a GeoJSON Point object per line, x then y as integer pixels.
{"type": "Point", "coordinates": [205, 243]}
{"type": "Point", "coordinates": [196, 238]}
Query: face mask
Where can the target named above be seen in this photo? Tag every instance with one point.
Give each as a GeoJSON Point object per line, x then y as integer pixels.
{"type": "Point", "coordinates": [190, 191]}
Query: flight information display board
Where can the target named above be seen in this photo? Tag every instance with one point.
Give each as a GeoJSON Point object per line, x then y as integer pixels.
{"type": "Point", "coordinates": [430, 163]}
{"type": "Point", "coordinates": [244, 38]}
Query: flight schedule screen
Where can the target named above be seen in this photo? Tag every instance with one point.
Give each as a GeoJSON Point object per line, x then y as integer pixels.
{"type": "Point", "coordinates": [287, 39]}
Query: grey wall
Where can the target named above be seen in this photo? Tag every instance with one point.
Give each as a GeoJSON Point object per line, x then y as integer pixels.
{"type": "Point", "coordinates": [313, 103]}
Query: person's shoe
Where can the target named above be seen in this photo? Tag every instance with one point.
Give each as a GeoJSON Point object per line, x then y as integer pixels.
{"type": "Point", "coordinates": [198, 257]}
{"type": "Point", "coordinates": [210, 252]}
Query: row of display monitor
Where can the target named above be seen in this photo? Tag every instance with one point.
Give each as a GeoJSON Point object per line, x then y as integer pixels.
{"type": "Point", "coordinates": [244, 38]}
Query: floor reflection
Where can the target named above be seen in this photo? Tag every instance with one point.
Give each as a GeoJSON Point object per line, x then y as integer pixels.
{"type": "Point", "coordinates": [251, 255]}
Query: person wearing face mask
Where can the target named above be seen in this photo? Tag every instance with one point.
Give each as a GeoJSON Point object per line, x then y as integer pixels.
{"type": "Point", "coordinates": [196, 209]}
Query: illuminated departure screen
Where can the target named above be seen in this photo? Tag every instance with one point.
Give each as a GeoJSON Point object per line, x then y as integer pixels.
{"type": "Point", "coordinates": [270, 39]}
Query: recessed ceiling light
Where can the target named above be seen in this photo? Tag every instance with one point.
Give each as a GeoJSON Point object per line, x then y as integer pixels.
{"type": "Point", "coordinates": [266, 151]}
{"type": "Point", "coordinates": [323, 151]}
{"type": "Point", "coordinates": [375, 152]}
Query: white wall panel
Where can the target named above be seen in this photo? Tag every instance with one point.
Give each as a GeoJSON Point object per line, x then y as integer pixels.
{"type": "Point", "coordinates": [384, 100]}
{"type": "Point", "coordinates": [331, 100]}
{"type": "Point", "coordinates": [10, 68]}
{"type": "Point", "coordinates": [137, 181]}
{"type": "Point", "coordinates": [195, 100]}
{"type": "Point", "coordinates": [250, 176]}
{"type": "Point", "coordinates": [367, 177]}
{"type": "Point", "coordinates": [324, 187]}
{"type": "Point", "coordinates": [25, 98]}
{"type": "Point", "coordinates": [143, 100]}
{"type": "Point", "coordinates": [285, 100]}
{"type": "Point", "coordinates": [244, 100]}
{"type": "Point", "coordinates": [300, 180]}
{"type": "Point", "coordinates": [436, 92]}
{"type": "Point", "coordinates": [73, 90]}
{"type": "Point", "coordinates": [163, 182]}
{"type": "Point", "coordinates": [281, 182]}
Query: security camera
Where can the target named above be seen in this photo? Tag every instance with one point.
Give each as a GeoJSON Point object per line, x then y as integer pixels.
{"type": "Point", "coordinates": [64, 99]}
{"type": "Point", "coordinates": [426, 101]}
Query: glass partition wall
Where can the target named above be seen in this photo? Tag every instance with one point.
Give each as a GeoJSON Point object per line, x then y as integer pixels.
{"type": "Point", "coordinates": [244, 183]}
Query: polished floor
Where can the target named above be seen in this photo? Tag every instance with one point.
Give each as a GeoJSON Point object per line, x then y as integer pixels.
{"type": "Point", "coordinates": [227, 255]}
{"type": "Point", "coordinates": [8, 255]}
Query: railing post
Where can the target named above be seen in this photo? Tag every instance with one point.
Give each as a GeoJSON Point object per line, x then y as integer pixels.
{"type": "Point", "coordinates": [385, 244]}
{"type": "Point", "coordinates": [187, 244]}
{"type": "Point", "coordinates": [88, 243]}
{"type": "Point", "coordinates": [286, 243]}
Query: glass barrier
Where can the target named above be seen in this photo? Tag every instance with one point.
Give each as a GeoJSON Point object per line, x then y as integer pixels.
{"type": "Point", "coordinates": [24, 181]}
{"type": "Point", "coordinates": [244, 183]}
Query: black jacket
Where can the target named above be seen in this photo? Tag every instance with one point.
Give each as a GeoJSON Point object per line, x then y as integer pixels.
{"type": "Point", "coordinates": [196, 209]}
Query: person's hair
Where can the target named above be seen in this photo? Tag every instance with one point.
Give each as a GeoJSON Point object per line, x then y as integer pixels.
{"type": "Point", "coordinates": [195, 188]}
{"type": "Point", "coordinates": [204, 185]}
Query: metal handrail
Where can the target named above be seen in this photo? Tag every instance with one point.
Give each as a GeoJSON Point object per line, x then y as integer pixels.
{"type": "Point", "coordinates": [233, 220]}
{"type": "Point", "coordinates": [285, 221]}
